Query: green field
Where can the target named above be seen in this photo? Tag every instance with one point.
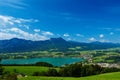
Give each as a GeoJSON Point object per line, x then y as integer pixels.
{"type": "Point", "coordinates": [28, 70]}
{"type": "Point", "coordinates": [108, 76]}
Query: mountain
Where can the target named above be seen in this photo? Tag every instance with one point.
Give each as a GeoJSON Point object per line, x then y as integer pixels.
{"type": "Point", "coordinates": [58, 44]}
{"type": "Point", "coordinates": [21, 45]}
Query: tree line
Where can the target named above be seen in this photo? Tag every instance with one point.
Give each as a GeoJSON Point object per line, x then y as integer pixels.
{"type": "Point", "coordinates": [76, 70]}
{"type": "Point", "coordinates": [73, 70]}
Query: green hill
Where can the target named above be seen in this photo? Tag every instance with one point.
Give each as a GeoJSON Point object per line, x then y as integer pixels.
{"type": "Point", "coordinates": [108, 76]}
{"type": "Point", "coordinates": [28, 70]}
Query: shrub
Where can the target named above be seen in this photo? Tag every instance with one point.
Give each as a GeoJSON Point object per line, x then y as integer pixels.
{"type": "Point", "coordinates": [44, 64]}
{"type": "Point", "coordinates": [52, 72]}
{"type": "Point", "coordinates": [39, 73]}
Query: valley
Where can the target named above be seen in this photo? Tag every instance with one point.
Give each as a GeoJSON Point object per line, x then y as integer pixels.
{"type": "Point", "coordinates": [111, 55]}
{"type": "Point", "coordinates": [63, 55]}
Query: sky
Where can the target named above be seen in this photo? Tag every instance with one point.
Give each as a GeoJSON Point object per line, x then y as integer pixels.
{"type": "Point", "coordinates": [74, 20]}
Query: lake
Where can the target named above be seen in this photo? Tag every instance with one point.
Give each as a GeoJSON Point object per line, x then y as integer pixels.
{"type": "Point", "coordinates": [54, 61]}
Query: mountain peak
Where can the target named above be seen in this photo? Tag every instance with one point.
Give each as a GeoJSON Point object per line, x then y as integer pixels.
{"type": "Point", "coordinates": [14, 39]}
{"type": "Point", "coordinates": [22, 45]}
{"type": "Point", "coordinates": [96, 42]}
{"type": "Point", "coordinates": [57, 39]}
{"type": "Point", "coordinates": [17, 39]}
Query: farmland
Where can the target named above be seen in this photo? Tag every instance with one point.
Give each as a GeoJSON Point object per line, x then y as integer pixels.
{"type": "Point", "coordinates": [111, 55]}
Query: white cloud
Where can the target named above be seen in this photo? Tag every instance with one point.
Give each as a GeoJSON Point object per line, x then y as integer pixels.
{"type": "Point", "coordinates": [26, 26]}
{"type": "Point", "coordinates": [11, 21]}
{"type": "Point", "coordinates": [79, 35]}
{"type": "Point", "coordinates": [107, 28]}
{"type": "Point", "coordinates": [12, 27]}
{"type": "Point", "coordinates": [117, 29]}
{"type": "Point", "coordinates": [19, 4]}
{"type": "Point", "coordinates": [36, 20]}
{"type": "Point", "coordinates": [4, 35]}
{"type": "Point", "coordinates": [92, 39]}
{"type": "Point", "coordinates": [69, 39]}
{"type": "Point", "coordinates": [66, 35]}
{"type": "Point", "coordinates": [101, 35]}
{"type": "Point", "coordinates": [18, 33]}
{"type": "Point", "coordinates": [111, 33]}
{"type": "Point", "coordinates": [6, 20]}
{"type": "Point", "coordinates": [19, 20]}
{"type": "Point", "coordinates": [58, 35]}
{"type": "Point", "coordinates": [104, 40]}
{"type": "Point", "coordinates": [47, 33]}
{"type": "Point", "coordinates": [36, 30]}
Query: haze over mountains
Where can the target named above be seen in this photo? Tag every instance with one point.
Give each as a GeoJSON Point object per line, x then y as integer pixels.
{"type": "Point", "coordinates": [57, 44]}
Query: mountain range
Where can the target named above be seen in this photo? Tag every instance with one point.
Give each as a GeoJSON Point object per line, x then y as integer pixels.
{"type": "Point", "coordinates": [58, 44]}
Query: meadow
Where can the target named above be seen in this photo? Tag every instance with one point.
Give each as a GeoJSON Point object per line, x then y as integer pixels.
{"type": "Point", "coordinates": [108, 76]}
{"type": "Point", "coordinates": [27, 70]}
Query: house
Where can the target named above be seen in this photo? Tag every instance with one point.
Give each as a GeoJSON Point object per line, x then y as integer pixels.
{"type": "Point", "coordinates": [109, 65]}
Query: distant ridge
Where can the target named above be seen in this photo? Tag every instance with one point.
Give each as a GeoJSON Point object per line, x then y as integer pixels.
{"type": "Point", "coordinates": [22, 45]}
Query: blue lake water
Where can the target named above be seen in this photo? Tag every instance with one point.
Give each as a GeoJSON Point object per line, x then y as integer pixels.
{"type": "Point", "coordinates": [54, 61]}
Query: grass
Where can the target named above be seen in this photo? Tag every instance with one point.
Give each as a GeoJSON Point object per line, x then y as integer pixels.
{"type": "Point", "coordinates": [28, 70]}
{"type": "Point", "coordinates": [108, 76]}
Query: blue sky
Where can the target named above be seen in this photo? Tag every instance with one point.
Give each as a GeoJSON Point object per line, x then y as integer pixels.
{"type": "Point", "coordinates": [77, 20]}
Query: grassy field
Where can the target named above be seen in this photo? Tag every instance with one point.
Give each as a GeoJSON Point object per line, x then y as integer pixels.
{"type": "Point", "coordinates": [108, 76]}
{"type": "Point", "coordinates": [28, 70]}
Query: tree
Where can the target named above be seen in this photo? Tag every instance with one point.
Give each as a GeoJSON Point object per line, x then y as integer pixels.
{"type": "Point", "coordinates": [77, 70]}
{"type": "Point", "coordinates": [44, 64]}
{"type": "Point", "coordinates": [1, 68]}
{"type": "Point", "coordinates": [12, 76]}
{"type": "Point", "coordinates": [52, 72]}
{"type": "Point", "coordinates": [73, 70]}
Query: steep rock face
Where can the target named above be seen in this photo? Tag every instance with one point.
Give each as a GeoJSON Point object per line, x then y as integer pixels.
{"type": "Point", "coordinates": [22, 45]}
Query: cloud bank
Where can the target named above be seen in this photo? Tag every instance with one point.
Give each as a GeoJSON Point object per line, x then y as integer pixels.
{"type": "Point", "coordinates": [12, 27]}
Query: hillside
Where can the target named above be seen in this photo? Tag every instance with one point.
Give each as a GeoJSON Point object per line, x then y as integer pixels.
{"type": "Point", "coordinates": [108, 76]}
{"type": "Point", "coordinates": [56, 44]}
{"type": "Point", "coordinates": [28, 70]}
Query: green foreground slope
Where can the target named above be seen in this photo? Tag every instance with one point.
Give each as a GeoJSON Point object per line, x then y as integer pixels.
{"type": "Point", "coordinates": [108, 76]}
{"type": "Point", "coordinates": [27, 70]}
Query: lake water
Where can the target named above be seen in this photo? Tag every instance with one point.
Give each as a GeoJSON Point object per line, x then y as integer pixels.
{"type": "Point", "coordinates": [54, 61]}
